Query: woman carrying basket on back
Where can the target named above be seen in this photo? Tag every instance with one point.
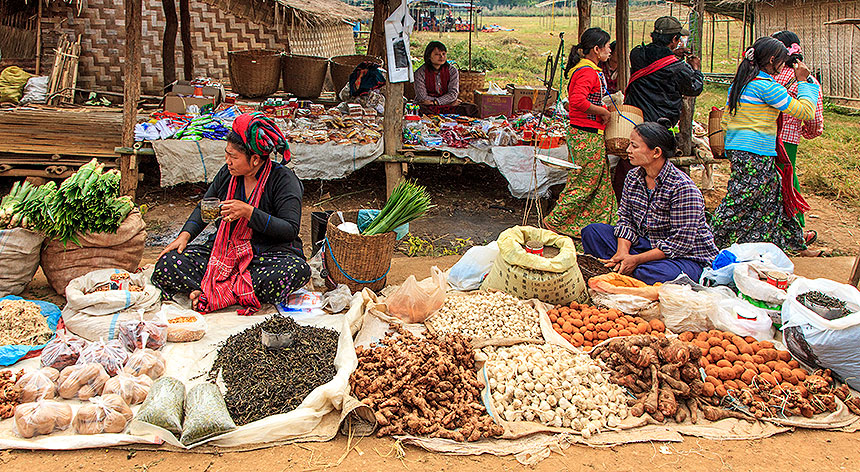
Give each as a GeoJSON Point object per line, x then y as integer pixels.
{"type": "Point", "coordinates": [587, 197]}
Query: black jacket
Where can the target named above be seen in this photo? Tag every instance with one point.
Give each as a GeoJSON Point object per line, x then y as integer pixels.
{"type": "Point", "coordinates": [659, 94]}
{"type": "Point", "coordinates": [276, 220]}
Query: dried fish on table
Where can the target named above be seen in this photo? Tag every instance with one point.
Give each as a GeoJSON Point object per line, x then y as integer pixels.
{"type": "Point", "coordinates": [22, 322]}
{"type": "Point", "coordinates": [261, 381]}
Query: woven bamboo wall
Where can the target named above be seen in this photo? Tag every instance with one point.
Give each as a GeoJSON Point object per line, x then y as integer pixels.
{"type": "Point", "coordinates": [214, 33]}
{"type": "Point", "coordinates": [831, 51]}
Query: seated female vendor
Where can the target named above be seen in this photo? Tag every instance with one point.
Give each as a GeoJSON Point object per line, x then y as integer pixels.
{"type": "Point", "coordinates": [661, 230]}
{"type": "Point", "coordinates": [437, 85]}
{"type": "Point", "coordinates": [255, 256]}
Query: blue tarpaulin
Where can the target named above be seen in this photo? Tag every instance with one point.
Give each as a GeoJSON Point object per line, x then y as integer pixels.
{"type": "Point", "coordinates": [12, 353]}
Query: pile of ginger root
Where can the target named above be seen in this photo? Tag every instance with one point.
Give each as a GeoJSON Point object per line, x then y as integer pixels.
{"type": "Point", "coordinates": [664, 376]}
{"type": "Point", "coordinates": [423, 387]}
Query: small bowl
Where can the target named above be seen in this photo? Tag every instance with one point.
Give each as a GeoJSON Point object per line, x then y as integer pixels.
{"type": "Point", "coordinates": [276, 341]}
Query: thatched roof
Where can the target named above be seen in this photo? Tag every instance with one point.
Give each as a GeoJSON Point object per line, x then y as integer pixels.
{"type": "Point", "coordinates": [732, 8]}
{"type": "Point", "coordinates": [277, 12]}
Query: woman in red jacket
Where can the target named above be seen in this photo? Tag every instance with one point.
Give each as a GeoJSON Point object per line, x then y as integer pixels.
{"type": "Point", "coordinates": [588, 197]}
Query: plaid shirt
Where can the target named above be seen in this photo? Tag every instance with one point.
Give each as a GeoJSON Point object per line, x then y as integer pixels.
{"type": "Point", "coordinates": [792, 128]}
{"type": "Point", "coordinates": [672, 217]}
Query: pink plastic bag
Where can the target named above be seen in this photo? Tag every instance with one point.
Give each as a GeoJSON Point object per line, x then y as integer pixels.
{"type": "Point", "coordinates": [414, 301]}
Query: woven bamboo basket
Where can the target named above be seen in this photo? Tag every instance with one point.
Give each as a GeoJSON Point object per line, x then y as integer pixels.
{"type": "Point", "coordinates": [617, 133]}
{"type": "Point", "coordinates": [342, 66]}
{"type": "Point", "coordinates": [356, 260]}
{"type": "Point", "coordinates": [304, 76]}
{"type": "Point", "coordinates": [471, 80]}
{"type": "Point", "coordinates": [255, 72]}
{"type": "Point", "coordinates": [716, 133]}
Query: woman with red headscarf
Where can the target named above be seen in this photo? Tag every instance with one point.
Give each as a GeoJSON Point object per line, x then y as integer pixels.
{"type": "Point", "coordinates": [255, 256]}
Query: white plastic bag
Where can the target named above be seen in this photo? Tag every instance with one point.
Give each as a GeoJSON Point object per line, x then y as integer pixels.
{"type": "Point", "coordinates": [338, 299]}
{"type": "Point", "coordinates": [815, 341]}
{"type": "Point", "coordinates": [747, 279]}
{"type": "Point", "coordinates": [742, 318]}
{"type": "Point", "coordinates": [627, 304]}
{"type": "Point", "coordinates": [686, 310]}
{"type": "Point", "coordinates": [316, 265]}
{"type": "Point", "coordinates": [764, 254]}
{"type": "Point", "coordinates": [468, 273]}
{"type": "Point", "coordinates": [414, 301]}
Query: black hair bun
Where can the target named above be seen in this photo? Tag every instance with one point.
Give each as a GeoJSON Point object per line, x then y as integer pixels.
{"type": "Point", "coordinates": [665, 122]}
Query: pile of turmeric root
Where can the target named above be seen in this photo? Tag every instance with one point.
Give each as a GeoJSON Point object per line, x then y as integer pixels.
{"type": "Point", "coordinates": [424, 387]}
{"type": "Point", "coordinates": [742, 379]}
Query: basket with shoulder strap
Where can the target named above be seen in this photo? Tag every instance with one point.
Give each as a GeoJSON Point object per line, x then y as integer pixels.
{"type": "Point", "coordinates": [356, 260]}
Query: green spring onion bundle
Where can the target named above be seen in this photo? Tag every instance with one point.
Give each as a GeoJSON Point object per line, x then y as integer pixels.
{"type": "Point", "coordinates": [87, 201]}
{"type": "Point", "coordinates": [407, 202]}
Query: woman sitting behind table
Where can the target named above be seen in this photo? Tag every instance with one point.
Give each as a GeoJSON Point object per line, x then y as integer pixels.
{"type": "Point", "coordinates": [437, 84]}
{"type": "Point", "coordinates": [256, 255]}
{"type": "Point", "coordinates": [661, 230]}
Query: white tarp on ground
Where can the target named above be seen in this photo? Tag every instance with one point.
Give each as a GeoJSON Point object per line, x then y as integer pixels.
{"type": "Point", "coordinates": [199, 161]}
{"type": "Point", "coordinates": [317, 418]}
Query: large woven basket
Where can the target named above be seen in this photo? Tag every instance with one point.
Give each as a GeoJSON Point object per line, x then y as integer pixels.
{"type": "Point", "coordinates": [342, 66]}
{"type": "Point", "coordinates": [256, 72]}
{"type": "Point", "coordinates": [304, 76]}
{"type": "Point", "coordinates": [471, 80]}
{"type": "Point", "coordinates": [356, 260]}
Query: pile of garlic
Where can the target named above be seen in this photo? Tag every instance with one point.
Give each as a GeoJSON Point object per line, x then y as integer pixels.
{"type": "Point", "coordinates": [488, 315]}
{"type": "Point", "coordinates": [553, 386]}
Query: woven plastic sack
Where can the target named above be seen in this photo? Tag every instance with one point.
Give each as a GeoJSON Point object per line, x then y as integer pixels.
{"type": "Point", "coordinates": [12, 82]}
{"type": "Point", "coordinates": [206, 414]}
{"type": "Point", "coordinates": [164, 406]}
{"type": "Point", "coordinates": [19, 259]}
{"type": "Point", "coordinates": [414, 301]}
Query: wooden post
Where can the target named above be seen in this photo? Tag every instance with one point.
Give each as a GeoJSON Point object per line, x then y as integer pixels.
{"type": "Point", "coordinates": [39, 38]}
{"type": "Point", "coordinates": [583, 11]}
{"type": "Point", "coordinates": [392, 118]}
{"type": "Point", "coordinates": [376, 41]}
{"type": "Point", "coordinates": [131, 92]}
{"type": "Point", "coordinates": [185, 34]}
{"type": "Point", "coordinates": [713, 39]}
{"type": "Point", "coordinates": [688, 109]}
{"type": "Point", "coordinates": [168, 46]}
{"type": "Point", "coordinates": [622, 12]}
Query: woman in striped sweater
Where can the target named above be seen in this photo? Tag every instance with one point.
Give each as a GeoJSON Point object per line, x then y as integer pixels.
{"type": "Point", "coordinates": [754, 209]}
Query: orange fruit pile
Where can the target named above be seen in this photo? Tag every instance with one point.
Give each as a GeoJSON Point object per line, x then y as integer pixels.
{"type": "Point", "coordinates": [586, 326]}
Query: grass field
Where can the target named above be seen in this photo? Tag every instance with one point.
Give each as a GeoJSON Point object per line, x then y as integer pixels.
{"type": "Point", "coordinates": [828, 165]}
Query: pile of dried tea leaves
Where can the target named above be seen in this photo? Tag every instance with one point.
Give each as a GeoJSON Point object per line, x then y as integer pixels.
{"type": "Point", "coordinates": [261, 381]}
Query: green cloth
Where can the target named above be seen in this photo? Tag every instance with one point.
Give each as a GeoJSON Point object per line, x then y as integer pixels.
{"type": "Point", "coordinates": [791, 150]}
{"type": "Point", "coordinates": [12, 82]}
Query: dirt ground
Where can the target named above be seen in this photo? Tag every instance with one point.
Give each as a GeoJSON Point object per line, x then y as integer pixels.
{"type": "Point", "coordinates": [473, 204]}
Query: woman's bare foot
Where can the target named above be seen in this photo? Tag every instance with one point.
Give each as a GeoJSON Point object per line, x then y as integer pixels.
{"type": "Point", "coordinates": [195, 298]}
{"type": "Point", "coordinates": [814, 253]}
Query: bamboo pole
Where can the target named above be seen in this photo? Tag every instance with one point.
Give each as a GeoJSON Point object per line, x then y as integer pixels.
{"type": "Point", "coordinates": [39, 39]}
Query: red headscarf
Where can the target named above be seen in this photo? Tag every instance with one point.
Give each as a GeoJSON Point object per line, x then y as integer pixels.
{"type": "Point", "coordinates": [261, 135]}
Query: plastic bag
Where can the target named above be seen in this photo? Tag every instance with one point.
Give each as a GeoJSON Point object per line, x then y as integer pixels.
{"type": "Point", "coordinates": [82, 380]}
{"type": "Point", "coordinates": [111, 355]}
{"type": "Point", "coordinates": [338, 299]}
{"type": "Point", "coordinates": [365, 217]}
{"type": "Point", "coordinates": [316, 265]}
{"type": "Point", "coordinates": [747, 277]}
{"type": "Point", "coordinates": [616, 283]}
{"type": "Point", "coordinates": [742, 318]}
{"type": "Point", "coordinates": [135, 334]}
{"type": "Point", "coordinates": [164, 405]}
{"type": "Point", "coordinates": [683, 309]}
{"type": "Point", "coordinates": [63, 351]}
{"type": "Point", "coordinates": [132, 388]}
{"type": "Point", "coordinates": [38, 385]}
{"type": "Point", "coordinates": [818, 342]}
{"type": "Point", "coordinates": [468, 273]}
{"type": "Point", "coordinates": [627, 304]}
{"type": "Point", "coordinates": [105, 414]}
{"type": "Point", "coordinates": [41, 417]}
{"type": "Point", "coordinates": [146, 362]}
{"type": "Point", "coordinates": [768, 255]}
{"type": "Point", "coordinates": [414, 301]}
{"type": "Point", "coordinates": [182, 325]}
{"type": "Point", "coordinates": [206, 414]}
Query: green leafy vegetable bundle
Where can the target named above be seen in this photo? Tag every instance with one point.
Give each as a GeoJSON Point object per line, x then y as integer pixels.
{"type": "Point", "coordinates": [408, 201]}
{"type": "Point", "coordinates": [87, 201]}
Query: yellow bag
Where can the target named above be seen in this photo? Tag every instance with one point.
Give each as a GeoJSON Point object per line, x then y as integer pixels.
{"type": "Point", "coordinates": [554, 280]}
{"type": "Point", "coordinates": [12, 82]}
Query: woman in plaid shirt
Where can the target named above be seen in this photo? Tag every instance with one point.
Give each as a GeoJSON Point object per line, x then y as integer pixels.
{"type": "Point", "coordinates": [661, 231]}
{"type": "Point", "coordinates": [793, 128]}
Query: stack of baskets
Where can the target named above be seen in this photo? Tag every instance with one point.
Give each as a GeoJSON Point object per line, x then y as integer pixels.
{"type": "Point", "coordinates": [342, 67]}
{"type": "Point", "coordinates": [471, 80]}
{"type": "Point", "coordinates": [356, 260]}
{"type": "Point", "coordinates": [255, 72]}
{"type": "Point", "coordinates": [304, 76]}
